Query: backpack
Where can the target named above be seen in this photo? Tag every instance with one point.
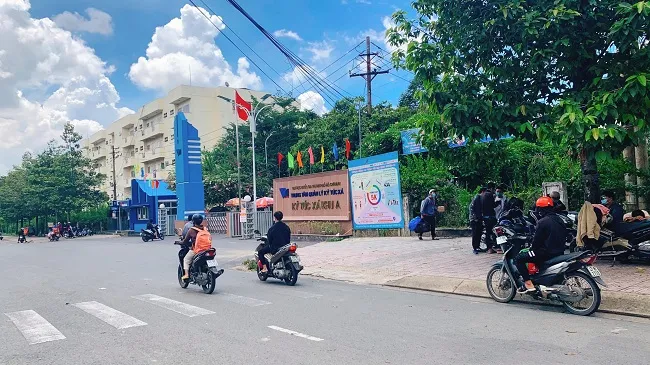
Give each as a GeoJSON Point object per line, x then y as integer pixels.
{"type": "Point", "coordinates": [203, 241]}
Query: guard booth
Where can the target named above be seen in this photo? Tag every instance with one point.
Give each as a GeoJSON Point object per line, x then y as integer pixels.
{"type": "Point", "coordinates": [146, 199]}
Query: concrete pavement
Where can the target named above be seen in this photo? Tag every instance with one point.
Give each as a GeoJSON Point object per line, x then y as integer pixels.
{"type": "Point", "coordinates": [448, 265]}
{"type": "Point", "coordinates": [117, 301]}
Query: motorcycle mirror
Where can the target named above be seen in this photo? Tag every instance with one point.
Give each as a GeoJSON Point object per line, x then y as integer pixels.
{"type": "Point", "coordinates": [256, 232]}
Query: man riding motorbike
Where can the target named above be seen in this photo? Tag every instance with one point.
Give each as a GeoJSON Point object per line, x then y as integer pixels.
{"type": "Point", "coordinates": [153, 228]}
{"type": "Point", "coordinates": [187, 226]}
{"type": "Point", "coordinates": [548, 242]}
{"type": "Point", "coordinates": [279, 235]}
{"type": "Point", "coordinates": [198, 245]}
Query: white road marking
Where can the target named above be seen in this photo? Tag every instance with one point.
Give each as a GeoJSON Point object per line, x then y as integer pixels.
{"type": "Point", "coordinates": [175, 306]}
{"type": "Point", "coordinates": [34, 328]}
{"type": "Point", "coordinates": [251, 302]}
{"type": "Point", "coordinates": [297, 334]}
{"type": "Point", "coordinates": [109, 315]}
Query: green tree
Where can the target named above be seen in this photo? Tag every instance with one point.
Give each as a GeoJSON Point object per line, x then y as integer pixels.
{"type": "Point", "coordinates": [567, 71]}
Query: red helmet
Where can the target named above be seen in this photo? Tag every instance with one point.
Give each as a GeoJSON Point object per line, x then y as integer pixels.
{"type": "Point", "coordinates": [544, 202]}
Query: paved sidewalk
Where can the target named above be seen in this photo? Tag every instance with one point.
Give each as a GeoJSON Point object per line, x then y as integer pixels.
{"type": "Point", "coordinates": [14, 239]}
{"type": "Point", "coordinates": [446, 265]}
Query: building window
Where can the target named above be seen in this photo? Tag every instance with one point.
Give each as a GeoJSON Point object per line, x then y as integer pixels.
{"type": "Point", "coordinates": [171, 112]}
{"type": "Point", "coordinates": [166, 139]}
{"type": "Point", "coordinates": [174, 162]}
{"type": "Point", "coordinates": [132, 173]}
{"type": "Point", "coordinates": [143, 213]}
{"type": "Point", "coordinates": [148, 147]}
{"type": "Point", "coordinates": [135, 129]}
{"type": "Point", "coordinates": [147, 125]}
{"type": "Point", "coordinates": [165, 115]}
{"type": "Point", "coordinates": [184, 108]}
{"type": "Point", "coordinates": [162, 165]}
{"type": "Point", "coordinates": [140, 148]}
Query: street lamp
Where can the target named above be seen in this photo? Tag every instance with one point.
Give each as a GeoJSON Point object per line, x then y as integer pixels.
{"type": "Point", "coordinates": [237, 138]}
{"type": "Point", "coordinates": [266, 155]}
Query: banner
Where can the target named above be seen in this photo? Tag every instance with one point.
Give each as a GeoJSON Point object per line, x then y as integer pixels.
{"type": "Point", "coordinates": [376, 192]}
{"type": "Point", "coordinates": [410, 143]}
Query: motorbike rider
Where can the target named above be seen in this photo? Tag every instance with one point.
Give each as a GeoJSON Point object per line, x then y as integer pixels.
{"type": "Point", "coordinates": [187, 226]}
{"type": "Point", "coordinates": [548, 242]}
{"type": "Point", "coordinates": [279, 235]}
{"type": "Point", "coordinates": [153, 228]}
{"type": "Point", "coordinates": [191, 238]}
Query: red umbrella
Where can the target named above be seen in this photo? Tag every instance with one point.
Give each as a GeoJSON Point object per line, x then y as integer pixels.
{"type": "Point", "coordinates": [234, 202]}
{"type": "Point", "coordinates": [264, 202]}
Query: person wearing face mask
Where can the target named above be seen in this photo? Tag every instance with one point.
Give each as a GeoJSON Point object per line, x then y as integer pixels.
{"type": "Point", "coordinates": [615, 210]}
{"type": "Point", "coordinates": [428, 209]}
{"type": "Point", "coordinates": [501, 200]}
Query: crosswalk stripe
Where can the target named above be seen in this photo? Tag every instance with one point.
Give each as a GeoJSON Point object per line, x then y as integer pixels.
{"type": "Point", "coordinates": [251, 302]}
{"type": "Point", "coordinates": [173, 305]}
{"type": "Point", "coordinates": [297, 334]}
{"type": "Point", "coordinates": [109, 315]}
{"type": "Point", "coordinates": [34, 328]}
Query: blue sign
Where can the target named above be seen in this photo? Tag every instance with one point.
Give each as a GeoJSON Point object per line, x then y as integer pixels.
{"type": "Point", "coordinates": [462, 142]}
{"type": "Point", "coordinates": [376, 192]}
{"type": "Point", "coordinates": [410, 143]}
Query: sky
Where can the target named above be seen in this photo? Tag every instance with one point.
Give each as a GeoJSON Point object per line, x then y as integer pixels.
{"type": "Point", "coordinates": [91, 62]}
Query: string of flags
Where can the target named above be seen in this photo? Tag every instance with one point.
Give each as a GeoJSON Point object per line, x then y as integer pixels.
{"type": "Point", "coordinates": [296, 161]}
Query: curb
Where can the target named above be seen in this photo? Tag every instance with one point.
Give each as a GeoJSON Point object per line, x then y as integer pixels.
{"type": "Point", "coordinates": [629, 304]}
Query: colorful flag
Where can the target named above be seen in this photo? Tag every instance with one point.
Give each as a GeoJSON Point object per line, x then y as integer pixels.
{"type": "Point", "coordinates": [280, 158]}
{"type": "Point", "coordinates": [290, 160]}
{"type": "Point", "coordinates": [348, 148]}
{"type": "Point", "coordinates": [311, 155]}
{"type": "Point", "coordinates": [299, 159]}
{"type": "Point", "coordinates": [154, 173]}
{"type": "Point", "coordinates": [142, 172]}
{"type": "Point", "coordinates": [322, 155]}
{"type": "Point", "coordinates": [243, 107]}
{"type": "Point", "coordinates": [335, 151]}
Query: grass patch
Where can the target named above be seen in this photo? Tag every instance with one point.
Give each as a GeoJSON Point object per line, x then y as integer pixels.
{"type": "Point", "coordinates": [335, 239]}
{"type": "Point", "coordinates": [250, 264]}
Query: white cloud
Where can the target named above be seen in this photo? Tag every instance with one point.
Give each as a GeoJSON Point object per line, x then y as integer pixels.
{"type": "Point", "coordinates": [287, 34]}
{"type": "Point", "coordinates": [297, 75]}
{"type": "Point", "coordinates": [49, 79]}
{"type": "Point", "coordinates": [321, 51]}
{"type": "Point", "coordinates": [97, 22]}
{"type": "Point", "coordinates": [367, 2]}
{"type": "Point", "coordinates": [313, 101]}
{"type": "Point", "coordinates": [379, 36]}
{"type": "Point", "coordinates": [187, 44]}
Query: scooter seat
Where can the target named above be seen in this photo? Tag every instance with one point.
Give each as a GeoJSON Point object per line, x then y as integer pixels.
{"type": "Point", "coordinates": [562, 258]}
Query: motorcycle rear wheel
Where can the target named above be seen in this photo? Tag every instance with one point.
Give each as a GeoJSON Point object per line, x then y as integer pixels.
{"type": "Point", "coordinates": [181, 282]}
{"type": "Point", "coordinates": [261, 275]}
{"type": "Point", "coordinates": [212, 282]}
{"type": "Point", "coordinates": [144, 238]}
{"type": "Point", "coordinates": [593, 288]}
{"type": "Point", "coordinates": [508, 291]}
{"type": "Point", "coordinates": [293, 275]}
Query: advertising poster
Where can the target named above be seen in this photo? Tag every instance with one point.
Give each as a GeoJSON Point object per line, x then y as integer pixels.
{"type": "Point", "coordinates": [376, 192]}
{"type": "Point", "coordinates": [410, 143]}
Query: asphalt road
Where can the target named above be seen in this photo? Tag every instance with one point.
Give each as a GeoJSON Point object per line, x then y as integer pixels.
{"type": "Point", "coordinates": [117, 301]}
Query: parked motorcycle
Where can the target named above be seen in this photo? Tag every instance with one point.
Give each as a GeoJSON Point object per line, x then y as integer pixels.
{"type": "Point", "coordinates": [203, 269]}
{"type": "Point", "coordinates": [53, 237]}
{"type": "Point", "coordinates": [284, 265]}
{"type": "Point", "coordinates": [150, 235]}
{"type": "Point", "coordinates": [570, 279]}
{"type": "Point", "coordinates": [631, 245]}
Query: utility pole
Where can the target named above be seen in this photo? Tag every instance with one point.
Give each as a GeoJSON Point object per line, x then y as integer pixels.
{"type": "Point", "coordinates": [114, 179]}
{"type": "Point", "coordinates": [370, 73]}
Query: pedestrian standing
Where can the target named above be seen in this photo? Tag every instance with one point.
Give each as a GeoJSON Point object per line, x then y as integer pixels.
{"type": "Point", "coordinates": [476, 220]}
{"type": "Point", "coordinates": [501, 200]}
{"type": "Point", "coordinates": [489, 216]}
{"type": "Point", "coordinates": [428, 209]}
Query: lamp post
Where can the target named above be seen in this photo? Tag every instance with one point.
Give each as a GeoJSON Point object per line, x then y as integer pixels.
{"type": "Point", "coordinates": [232, 102]}
{"type": "Point", "coordinates": [254, 114]}
{"type": "Point", "coordinates": [266, 154]}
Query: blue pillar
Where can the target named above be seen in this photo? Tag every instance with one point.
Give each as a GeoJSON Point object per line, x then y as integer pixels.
{"type": "Point", "coordinates": [189, 176]}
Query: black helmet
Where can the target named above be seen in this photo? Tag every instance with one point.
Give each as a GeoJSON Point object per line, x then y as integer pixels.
{"type": "Point", "coordinates": [197, 219]}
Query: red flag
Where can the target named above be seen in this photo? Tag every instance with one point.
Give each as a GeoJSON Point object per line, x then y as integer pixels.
{"type": "Point", "coordinates": [299, 158]}
{"type": "Point", "coordinates": [348, 148]}
{"type": "Point", "coordinates": [280, 158]}
{"type": "Point", "coordinates": [243, 107]}
{"type": "Point", "coordinates": [311, 156]}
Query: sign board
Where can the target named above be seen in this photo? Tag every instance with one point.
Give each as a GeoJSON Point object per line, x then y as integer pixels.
{"type": "Point", "coordinates": [242, 214]}
{"type": "Point", "coordinates": [462, 142]}
{"type": "Point", "coordinates": [323, 196]}
{"type": "Point", "coordinates": [376, 192]}
{"type": "Point", "coordinates": [410, 143]}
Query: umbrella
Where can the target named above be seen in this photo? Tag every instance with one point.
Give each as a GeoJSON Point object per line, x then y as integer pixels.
{"type": "Point", "coordinates": [234, 202]}
{"type": "Point", "coordinates": [264, 202]}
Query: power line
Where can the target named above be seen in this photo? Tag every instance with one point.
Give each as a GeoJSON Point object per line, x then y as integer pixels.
{"type": "Point", "coordinates": [400, 77]}
{"type": "Point", "coordinates": [236, 46]}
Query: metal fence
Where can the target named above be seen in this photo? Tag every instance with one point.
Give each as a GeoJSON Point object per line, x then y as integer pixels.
{"type": "Point", "coordinates": [217, 222]}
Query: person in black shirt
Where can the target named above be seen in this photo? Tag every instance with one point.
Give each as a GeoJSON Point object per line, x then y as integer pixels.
{"type": "Point", "coordinates": [476, 220]}
{"type": "Point", "coordinates": [615, 211]}
{"type": "Point", "coordinates": [557, 203]}
{"type": "Point", "coordinates": [489, 216]}
{"type": "Point", "coordinates": [279, 235]}
{"type": "Point", "coordinates": [548, 242]}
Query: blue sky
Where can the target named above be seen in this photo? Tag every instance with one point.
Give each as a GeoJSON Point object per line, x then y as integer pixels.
{"type": "Point", "coordinates": [333, 21]}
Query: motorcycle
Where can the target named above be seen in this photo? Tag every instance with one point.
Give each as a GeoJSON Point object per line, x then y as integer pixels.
{"type": "Point", "coordinates": [150, 235]}
{"type": "Point", "coordinates": [284, 265]}
{"type": "Point", "coordinates": [22, 239]}
{"type": "Point", "coordinates": [570, 279]}
{"type": "Point", "coordinates": [631, 245]}
{"type": "Point", "coordinates": [203, 269]}
{"type": "Point", "coordinates": [53, 237]}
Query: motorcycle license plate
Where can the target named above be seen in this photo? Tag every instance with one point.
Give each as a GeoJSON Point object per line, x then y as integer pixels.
{"type": "Point", "coordinates": [593, 271]}
{"type": "Point", "coordinates": [211, 263]}
{"type": "Point", "coordinates": [501, 240]}
{"type": "Point", "coordinates": [294, 258]}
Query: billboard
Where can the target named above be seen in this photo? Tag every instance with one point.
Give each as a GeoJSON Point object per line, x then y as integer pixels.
{"type": "Point", "coordinates": [376, 192]}
{"type": "Point", "coordinates": [315, 197]}
{"type": "Point", "coordinates": [410, 143]}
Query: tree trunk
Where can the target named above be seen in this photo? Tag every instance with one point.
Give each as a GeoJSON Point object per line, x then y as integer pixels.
{"type": "Point", "coordinates": [590, 176]}
{"type": "Point", "coordinates": [631, 201]}
{"type": "Point", "coordinates": [641, 156]}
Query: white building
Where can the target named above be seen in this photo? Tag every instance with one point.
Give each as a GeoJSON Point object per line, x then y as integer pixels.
{"type": "Point", "coordinates": [145, 140]}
